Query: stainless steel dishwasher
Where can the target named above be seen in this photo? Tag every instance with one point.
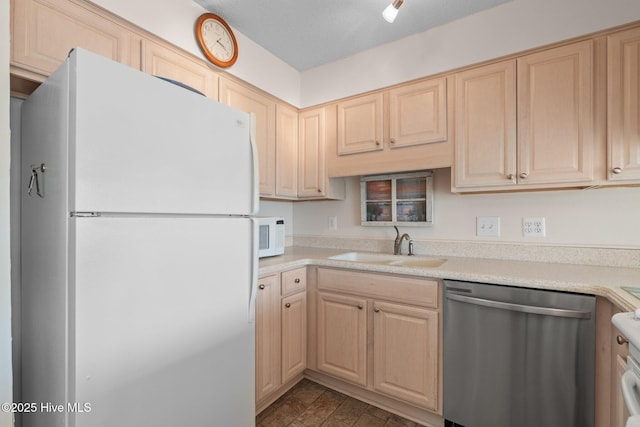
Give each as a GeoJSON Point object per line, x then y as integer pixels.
{"type": "Point", "coordinates": [517, 357]}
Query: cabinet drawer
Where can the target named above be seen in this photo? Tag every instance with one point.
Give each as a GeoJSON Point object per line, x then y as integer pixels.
{"type": "Point", "coordinates": [404, 289]}
{"type": "Point", "coordinates": [294, 281]}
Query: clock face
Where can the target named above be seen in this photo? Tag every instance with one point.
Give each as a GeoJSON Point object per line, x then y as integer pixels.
{"type": "Point", "coordinates": [217, 40]}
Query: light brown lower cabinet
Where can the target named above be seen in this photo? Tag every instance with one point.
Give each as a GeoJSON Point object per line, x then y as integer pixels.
{"type": "Point", "coordinates": [281, 334]}
{"type": "Point", "coordinates": [381, 333]}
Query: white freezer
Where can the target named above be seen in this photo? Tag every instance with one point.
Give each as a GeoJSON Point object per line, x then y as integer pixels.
{"type": "Point", "coordinates": [143, 145]}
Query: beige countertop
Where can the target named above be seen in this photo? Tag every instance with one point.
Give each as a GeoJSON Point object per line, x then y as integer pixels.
{"type": "Point", "coordinates": [596, 280]}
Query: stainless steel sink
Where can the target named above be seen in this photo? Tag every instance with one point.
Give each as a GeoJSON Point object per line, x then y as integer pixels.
{"type": "Point", "coordinates": [396, 260]}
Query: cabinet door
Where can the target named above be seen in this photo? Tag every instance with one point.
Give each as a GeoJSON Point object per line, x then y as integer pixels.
{"type": "Point", "coordinates": [556, 115]}
{"type": "Point", "coordinates": [268, 348]}
{"type": "Point", "coordinates": [44, 31]}
{"type": "Point", "coordinates": [311, 161]}
{"type": "Point", "coordinates": [485, 126]}
{"type": "Point", "coordinates": [286, 151]}
{"type": "Point", "coordinates": [624, 105]}
{"type": "Point", "coordinates": [360, 124]}
{"type": "Point", "coordinates": [294, 335]}
{"type": "Point", "coordinates": [405, 356]}
{"type": "Point", "coordinates": [161, 61]}
{"type": "Point", "coordinates": [342, 337]}
{"type": "Point", "coordinates": [418, 113]}
{"type": "Point", "coordinates": [264, 109]}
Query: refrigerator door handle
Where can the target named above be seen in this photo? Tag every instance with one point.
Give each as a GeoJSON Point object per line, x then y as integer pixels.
{"type": "Point", "coordinates": [255, 237]}
{"type": "Point", "coordinates": [255, 200]}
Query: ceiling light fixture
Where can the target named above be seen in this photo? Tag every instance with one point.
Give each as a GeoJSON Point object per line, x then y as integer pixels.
{"type": "Point", "coordinates": [391, 11]}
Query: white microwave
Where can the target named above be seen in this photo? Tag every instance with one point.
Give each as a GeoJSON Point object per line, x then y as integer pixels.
{"type": "Point", "coordinates": [270, 236]}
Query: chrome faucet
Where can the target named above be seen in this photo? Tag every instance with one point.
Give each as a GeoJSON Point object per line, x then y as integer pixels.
{"type": "Point", "coordinates": [397, 244]}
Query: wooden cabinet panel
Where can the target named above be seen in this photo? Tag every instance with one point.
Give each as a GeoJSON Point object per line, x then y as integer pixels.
{"type": "Point", "coordinates": [405, 353]}
{"type": "Point", "coordinates": [418, 113]}
{"type": "Point", "coordinates": [44, 31]}
{"type": "Point", "coordinates": [161, 61]}
{"type": "Point", "coordinates": [311, 160]}
{"type": "Point", "coordinates": [294, 281]}
{"type": "Point", "coordinates": [360, 124]}
{"type": "Point", "coordinates": [286, 151]}
{"type": "Point", "coordinates": [556, 115]}
{"type": "Point", "coordinates": [485, 126]}
{"type": "Point", "coordinates": [342, 337]}
{"type": "Point", "coordinates": [624, 105]}
{"type": "Point", "coordinates": [268, 344]}
{"type": "Point", "coordinates": [294, 335]}
{"type": "Point", "coordinates": [264, 109]}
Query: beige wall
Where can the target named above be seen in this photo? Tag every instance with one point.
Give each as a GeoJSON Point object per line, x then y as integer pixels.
{"type": "Point", "coordinates": [605, 217]}
{"type": "Point", "coordinates": [6, 382]}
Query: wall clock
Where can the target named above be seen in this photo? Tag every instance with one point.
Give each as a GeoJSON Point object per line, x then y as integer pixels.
{"type": "Point", "coordinates": [216, 40]}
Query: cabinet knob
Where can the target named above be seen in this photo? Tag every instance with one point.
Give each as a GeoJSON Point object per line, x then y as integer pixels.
{"type": "Point", "coordinates": [621, 340]}
{"type": "Point", "coordinates": [378, 143]}
{"type": "Point", "coordinates": [376, 309]}
{"type": "Point", "coordinates": [288, 305]}
{"type": "Point", "coordinates": [297, 280]}
{"type": "Point", "coordinates": [392, 140]}
{"type": "Point", "coordinates": [360, 306]}
{"type": "Point", "coordinates": [261, 286]}
{"type": "Point", "coordinates": [510, 177]}
{"type": "Point", "coordinates": [524, 175]}
{"type": "Point", "coordinates": [319, 190]}
{"type": "Point", "coordinates": [616, 170]}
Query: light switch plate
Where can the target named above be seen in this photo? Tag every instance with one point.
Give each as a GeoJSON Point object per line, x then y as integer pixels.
{"type": "Point", "coordinates": [487, 226]}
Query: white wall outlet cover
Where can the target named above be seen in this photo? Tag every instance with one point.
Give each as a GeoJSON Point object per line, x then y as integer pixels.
{"type": "Point", "coordinates": [533, 227]}
{"type": "Point", "coordinates": [487, 226]}
{"type": "Point", "coordinates": [333, 222]}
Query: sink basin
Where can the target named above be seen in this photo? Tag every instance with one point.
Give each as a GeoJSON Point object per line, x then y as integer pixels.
{"type": "Point", "coordinates": [396, 260]}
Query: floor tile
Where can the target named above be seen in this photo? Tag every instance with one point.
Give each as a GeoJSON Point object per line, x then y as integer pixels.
{"type": "Point", "coordinates": [309, 404]}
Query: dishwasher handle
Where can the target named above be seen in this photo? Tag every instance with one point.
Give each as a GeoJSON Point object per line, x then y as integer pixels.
{"type": "Point", "coordinates": [531, 309]}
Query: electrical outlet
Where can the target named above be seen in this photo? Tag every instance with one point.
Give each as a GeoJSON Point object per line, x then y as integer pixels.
{"type": "Point", "coordinates": [333, 223]}
{"type": "Point", "coordinates": [487, 226]}
{"type": "Point", "coordinates": [533, 227]}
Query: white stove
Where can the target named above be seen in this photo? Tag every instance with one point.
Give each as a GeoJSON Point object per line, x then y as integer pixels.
{"type": "Point", "coordinates": [629, 325]}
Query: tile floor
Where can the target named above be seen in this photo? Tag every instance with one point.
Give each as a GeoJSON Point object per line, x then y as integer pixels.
{"type": "Point", "coordinates": [311, 404]}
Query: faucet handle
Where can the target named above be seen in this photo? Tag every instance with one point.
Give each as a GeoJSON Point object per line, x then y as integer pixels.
{"type": "Point", "coordinates": [410, 247]}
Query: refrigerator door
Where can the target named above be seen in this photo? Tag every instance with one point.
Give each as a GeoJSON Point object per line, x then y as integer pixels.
{"type": "Point", "coordinates": [160, 332]}
{"type": "Point", "coordinates": [140, 144]}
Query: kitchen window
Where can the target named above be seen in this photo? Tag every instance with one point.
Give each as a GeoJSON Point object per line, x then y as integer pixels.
{"type": "Point", "coordinates": [397, 199]}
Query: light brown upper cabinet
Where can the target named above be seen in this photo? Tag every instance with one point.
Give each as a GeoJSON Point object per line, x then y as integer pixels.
{"type": "Point", "coordinates": [169, 63]}
{"type": "Point", "coordinates": [418, 113]}
{"type": "Point", "coordinates": [623, 106]}
{"type": "Point", "coordinates": [400, 129]}
{"type": "Point", "coordinates": [485, 126]}
{"type": "Point", "coordinates": [360, 124]}
{"type": "Point", "coordinates": [317, 130]}
{"type": "Point", "coordinates": [286, 152]}
{"type": "Point", "coordinates": [264, 109]}
{"type": "Point", "coordinates": [44, 31]}
{"type": "Point", "coordinates": [554, 143]}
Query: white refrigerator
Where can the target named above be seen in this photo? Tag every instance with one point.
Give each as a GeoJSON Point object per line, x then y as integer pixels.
{"type": "Point", "coordinates": [139, 253]}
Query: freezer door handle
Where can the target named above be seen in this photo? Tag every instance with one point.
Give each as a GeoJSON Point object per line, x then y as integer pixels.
{"type": "Point", "coordinates": [255, 200]}
{"type": "Point", "coordinates": [628, 385]}
{"type": "Point", "coordinates": [531, 309]}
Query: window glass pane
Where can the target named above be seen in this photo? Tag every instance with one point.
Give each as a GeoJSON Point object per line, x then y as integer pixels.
{"type": "Point", "coordinates": [379, 190]}
{"type": "Point", "coordinates": [411, 188]}
{"type": "Point", "coordinates": [412, 211]}
{"type": "Point", "coordinates": [378, 211]}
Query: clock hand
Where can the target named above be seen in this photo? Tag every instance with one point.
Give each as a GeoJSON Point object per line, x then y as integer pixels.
{"type": "Point", "coordinates": [225, 49]}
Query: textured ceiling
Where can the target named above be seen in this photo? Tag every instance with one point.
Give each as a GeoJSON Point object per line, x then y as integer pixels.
{"type": "Point", "coordinates": [308, 33]}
